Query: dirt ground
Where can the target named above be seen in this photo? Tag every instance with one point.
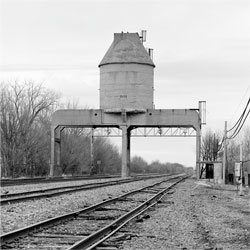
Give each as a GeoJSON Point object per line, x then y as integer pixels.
{"type": "Point", "coordinates": [197, 215]}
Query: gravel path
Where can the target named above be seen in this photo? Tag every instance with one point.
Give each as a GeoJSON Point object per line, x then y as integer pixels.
{"type": "Point", "coordinates": [22, 214]}
{"type": "Point", "coordinates": [195, 217]}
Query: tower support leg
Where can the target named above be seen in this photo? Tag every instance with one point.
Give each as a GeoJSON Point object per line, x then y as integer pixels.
{"type": "Point", "coordinates": [125, 151]}
{"type": "Point", "coordinates": [55, 149]}
{"type": "Point", "coordinates": [128, 151]}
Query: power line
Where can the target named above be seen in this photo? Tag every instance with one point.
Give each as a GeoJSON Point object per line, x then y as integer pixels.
{"type": "Point", "coordinates": [240, 102]}
{"type": "Point", "coordinates": [221, 144]}
{"type": "Point", "coordinates": [239, 123]}
{"type": "Point", "coordinates": [241, 117]}
{"type": "Point", "coordinates": [236, 133]}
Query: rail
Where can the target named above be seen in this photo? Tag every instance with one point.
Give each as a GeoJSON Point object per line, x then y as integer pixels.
{"type": "Point", "coordinates": [12, 239]}
{"type": "Point", "coordinates": [46, 193]}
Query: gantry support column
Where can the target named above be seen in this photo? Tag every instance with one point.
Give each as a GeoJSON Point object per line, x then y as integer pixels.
{"type": "Point", "coordinates": [201, 120]}
{"type": "Point", "coordinates": [128, 150]}
{"type": "Point", "coordinates": [55, 149]}
{"type": "Point", "coordinates": [198, 152]}
{"type": "Point", "coordinates": [125, 151]}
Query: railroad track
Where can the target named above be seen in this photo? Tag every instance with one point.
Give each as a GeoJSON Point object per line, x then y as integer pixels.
{"type": "Point", "coordinates": [39, 180]}
{"type": "Point", "coordinates": [46, 193]}
{"type": "Point", "coordinates": [89, 227]}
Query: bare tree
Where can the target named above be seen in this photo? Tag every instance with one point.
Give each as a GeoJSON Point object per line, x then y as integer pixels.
{"type": "Point", "coordinates": [75, 151]}
{"type": "Point", "coordinates": [246, 144]}
{"type": "Point", "coordinates": [75, 146]}
{"type": "Point", "coordinates": [210, 148]}
{"type": "Point", "coordinates": [246, 150]}
{"type": "Point", "coordinates": [21, 107]}
{"type": "Point", "coordinates": [138, 165]}
{"type": "Point", "coordinates": [158, 167]}
{"type": "Point", "coordinates": [233, 151]}
{"type": "Point", "coordinates": [108, 156]}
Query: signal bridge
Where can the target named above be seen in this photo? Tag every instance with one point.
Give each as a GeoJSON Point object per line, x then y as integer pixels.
{"type": "Point", "coordinates": [146, 132]}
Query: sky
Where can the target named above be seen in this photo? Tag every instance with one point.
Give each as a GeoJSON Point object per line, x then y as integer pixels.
{"type": "Point", "coordinates": [201, 53]}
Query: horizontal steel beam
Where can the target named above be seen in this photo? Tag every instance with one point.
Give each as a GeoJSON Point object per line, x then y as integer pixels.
{"type": "Point", "coordinates": [180, 118]}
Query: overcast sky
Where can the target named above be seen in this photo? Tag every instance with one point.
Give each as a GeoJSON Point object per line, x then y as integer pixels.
{"type": "Point", "coordinates": [201, 52]}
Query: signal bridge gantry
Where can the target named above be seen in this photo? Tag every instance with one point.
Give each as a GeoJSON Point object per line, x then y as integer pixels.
{"type": "Point", "coordinates": [146, 132]}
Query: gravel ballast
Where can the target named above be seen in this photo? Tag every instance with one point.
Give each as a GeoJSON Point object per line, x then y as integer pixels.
{"type": "Point", "coordinates": [195, 217]}
{"type": "Point", "coordinates": [18, 215]}
{"type": "Point", "coordinates": [43, 186]}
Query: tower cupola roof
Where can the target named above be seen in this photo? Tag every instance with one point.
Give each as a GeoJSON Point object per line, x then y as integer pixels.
{"type": "Point", "coordinates": [126, 48]}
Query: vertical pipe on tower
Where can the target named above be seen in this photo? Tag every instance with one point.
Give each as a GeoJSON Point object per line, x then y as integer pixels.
{"type": "Point", "coordinates": [198, 141]}
{"type": "Point", "coordinates": [198, 149]}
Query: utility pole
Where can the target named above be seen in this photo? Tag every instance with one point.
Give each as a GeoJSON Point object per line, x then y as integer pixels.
{"type": "Point", "coordinates": [241, 170]}
{"type": "Point", "coordinates": [246, 176]}
{"type": "Point", "coordinates": [1, 156]}
{"type": "Point", "coordinates": [245, 171]}
{"type": "Point", "coordinates": [247, 179]}
{"type": "Point", "coordinates": [225, 154]}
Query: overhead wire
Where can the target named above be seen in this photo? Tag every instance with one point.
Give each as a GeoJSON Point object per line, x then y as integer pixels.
{"type": "Point", "coordinates": [221, 144]}
{"type": "Point", "coordinates": [241, 117]}
{"type": "Point", "coordinates": [236, 133]}
{"type": "Point", "coordinates": [246, 91]}
{"type": "Point", "coordinates": [239, 123]}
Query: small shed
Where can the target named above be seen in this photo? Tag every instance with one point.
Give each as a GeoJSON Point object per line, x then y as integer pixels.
{"type": "Point", "coordinates": [213, 170]}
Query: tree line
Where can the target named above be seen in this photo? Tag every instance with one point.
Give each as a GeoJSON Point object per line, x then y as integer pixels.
{"type": "Point", "coordinates": [139, 165]}
{"type": "Point", "coordinates": [25, 128]}
{"type": "Point", "coordinates": [25, 112]}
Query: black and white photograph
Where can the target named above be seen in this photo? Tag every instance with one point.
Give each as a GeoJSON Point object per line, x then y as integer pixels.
{"type": "Point", "coordinates": [124, 124]}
